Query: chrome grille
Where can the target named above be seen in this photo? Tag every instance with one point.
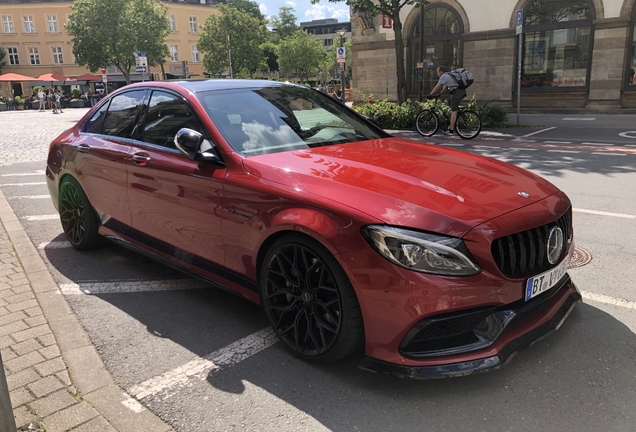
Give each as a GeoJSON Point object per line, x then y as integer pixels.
{"type": "Point", "coordinates": [524, 253]}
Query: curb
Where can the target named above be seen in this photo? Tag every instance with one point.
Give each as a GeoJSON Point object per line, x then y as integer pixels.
{"type": "Point", "coordinates": [85, 367]}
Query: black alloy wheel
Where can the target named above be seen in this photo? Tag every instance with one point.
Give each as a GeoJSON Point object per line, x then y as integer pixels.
{"type": "Point", "coordinates": [79, 221]}
{"type": "Point", "coordinates": [309, 301]}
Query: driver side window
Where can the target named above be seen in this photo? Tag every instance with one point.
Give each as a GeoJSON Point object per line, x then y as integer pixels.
{"type": "Point", "coordinates": [166, 114]}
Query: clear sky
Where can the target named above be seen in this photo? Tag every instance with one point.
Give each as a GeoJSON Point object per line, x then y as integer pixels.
{"type": "Point", "coordinates": [305, 11]}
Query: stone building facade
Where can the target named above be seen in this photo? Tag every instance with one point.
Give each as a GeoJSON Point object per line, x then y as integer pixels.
{"type": "Point", "coordinates": [576, 54]}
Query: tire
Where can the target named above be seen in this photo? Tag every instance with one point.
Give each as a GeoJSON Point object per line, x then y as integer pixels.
{"type": "Point", "coordinates": [427, 123]}
{"type": "Point", "coordinates": [79, 221]}
{"type": "Point", "coordinates": [309, 301]}
{"type": "Point", "coordinates": [468, 124]}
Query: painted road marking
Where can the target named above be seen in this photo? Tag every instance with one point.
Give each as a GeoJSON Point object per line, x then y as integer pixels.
{"type": "Point", "coordinates": [523, 148]}
{"type": "Point", "coordinates": [602, 213]}
{"type": "Point", "coordinates": [609, 154]}
{"type": "Point", "coordinates": [452, 144]}
{"type": "Point", "coordinates": [538, 132]}
{"type": "Point", "coordinates": [485, 147]}
{"type": "Point", "coordinates": [564, 151]}
{"type": "Point", "coordinates": [54, 245]}
{"type": "Point", "coordinates": [199, 368]}
{"type": "Point", "coordinates": [29, 197]}
{"type": "Point", "coordinates": [557, 142]}
{"type": "Point", "coordinates": [23, 174]}
{"type": "Point", "coordinates": [42, 217]}
{"type": "Point", "coordinates": [597, 144]}
{"type": "Point", "coordinates": [609, 300]}
{"type": "Point", "coordinates": [126, 286]}
{"type": "Point", "coordinates": [23, 184]}
{"type": "Point", "coordinates": [628, 134]}
{"type": "Point", "coordinates": [578, 118]}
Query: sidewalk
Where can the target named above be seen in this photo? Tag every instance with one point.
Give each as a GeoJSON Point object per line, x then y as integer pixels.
{"type": "Point", "coordinates": [56, 379]}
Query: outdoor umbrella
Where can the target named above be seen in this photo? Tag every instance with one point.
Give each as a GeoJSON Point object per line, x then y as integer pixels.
{"type": "Point", "coordinates": [9, 77]}
{"type": "Point", "coordinates": [88, 77]}
{"type": "Point", "coordinates": [53, 77]}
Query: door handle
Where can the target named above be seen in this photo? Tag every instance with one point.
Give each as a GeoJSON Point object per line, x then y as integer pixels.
{"type": "Point", "coordinates": [83, 148]}
{"type": "Point", "coordinates": [141, 159]}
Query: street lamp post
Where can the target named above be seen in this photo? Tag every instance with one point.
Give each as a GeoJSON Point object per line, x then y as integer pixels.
{"type": "Point", "coordinates": [229, 56]}
{"type": "Point", "coordinates": [341, 33]}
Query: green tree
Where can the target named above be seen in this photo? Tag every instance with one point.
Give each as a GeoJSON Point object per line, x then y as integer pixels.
{"type": "Point", "coordinates": [235, 31]}
{"type": "Point", "coordinates": [271, 58]}
{"type": "Point", "coordinates": [247, 6]}
{"type": "Point", "coordinates": [392, 9]}
{"type": "Point", "coordinates": [285, 22]}
{"type": "Point", "coordinates": [300, 52]}
{"type": "Point", "coordinates": [108, 32]}
{"type": "Point", "coordinates": [3, 54]}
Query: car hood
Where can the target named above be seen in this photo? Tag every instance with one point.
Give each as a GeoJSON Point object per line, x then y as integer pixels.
{"type": "Point", "coordinates": [401, 182]}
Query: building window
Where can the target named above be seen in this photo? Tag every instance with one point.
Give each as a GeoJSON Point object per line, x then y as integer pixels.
{"type": "Point", "coordinates": [34, 56]}
{"type": "Point", "coordinates": [435, 41]}
{"type": "Point", "coordinates": [7, 24]}
{"type": "Point", "coordinates": [13, 56]}
{"type": "Point", "coordinates": [174, 53]}
{"type": "Point", "coordinates": [557, 44]}
{"type": "Point", "coordinates": [51, 23]}
{"type": "Point", "coordinates": [196, 58]}
{"type": "Point", "coordinates": [29, 24]}
{"type": "Point", "coordinates": [172, 23]}
{"type": "Point", "coordinates": [57, 55]}
{"type": "Point", "coordinates": [327, 42]}
{"type": "Point", "coordinates": [193, 24]}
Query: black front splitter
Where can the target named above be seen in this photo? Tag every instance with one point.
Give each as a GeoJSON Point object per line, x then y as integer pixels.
{"type": "Point", "coordinates": [479, 365]}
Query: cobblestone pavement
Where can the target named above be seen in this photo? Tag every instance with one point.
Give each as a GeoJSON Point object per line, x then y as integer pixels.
{"type": "Point", "coordinates": [56, 379]}
{"type": "Point", "coordinates": [40, 127]}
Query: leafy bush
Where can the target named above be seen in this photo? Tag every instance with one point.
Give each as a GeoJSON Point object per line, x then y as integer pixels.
{"type": "Point", "coordinates": [36, 89]}
{"type": "Point", "coordinates": [75, 93]}
{"type": "Point", "coordinates": [492, 115]}
{"type": "Point", "coordinates": [19, 100]}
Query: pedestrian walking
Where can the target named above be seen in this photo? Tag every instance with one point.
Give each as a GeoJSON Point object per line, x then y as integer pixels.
{"type": "Point", "coordinates": [57, 100]}
{"type": "Point", "coordinates": [41, 97]}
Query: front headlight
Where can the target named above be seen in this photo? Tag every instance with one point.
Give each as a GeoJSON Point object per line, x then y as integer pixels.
{"type": "Point", "coordinates": [422, 252]}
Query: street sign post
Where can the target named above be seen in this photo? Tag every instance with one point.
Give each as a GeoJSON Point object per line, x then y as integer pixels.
{"type": "Point", "coordinates": [141, 60]}
{"type": "Point", "coordinates": [341, 55]}
{"type": "Point", "coordinates": [519, 51]}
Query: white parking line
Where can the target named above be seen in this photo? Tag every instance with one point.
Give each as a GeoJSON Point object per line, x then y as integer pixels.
{"type": "Point", "coordinates": [578, 118]}
{"type": "Point", "coordinates": [564, 151]}
{"type": "Point", "coordinates": [538, 132]}
{"type": "Point", "coordinates": [200, 368]}
{"type": "Point", "coordinates": [452, 144]}
{"type": "Point", "coordinates": [23, 184]}
{"type": "Point", "coordinates": [609, 154]}
{"type": "Point", "coordinates": [522, 148]}
{"type": "Point", "coordinates": [609, 300]}
{"type": "Point", "coordinates": [127, 286]}
{"type": "Point", "coordinates": [54, 245]}
{"type": "Point", "coordinates": [29, 197]}
{"type": "Point", "coordinates": [23, 174]}
{"type": "Point", "coordinates": [557, 142]}
{"type": "Point", "coordinates": [597, 144]}
{"type": "Point", "coordinates": [602, 213]}
{"type": "Point", "coordinates": [485, 147]}
{"type": "Point", "coordinates": [42, 217]}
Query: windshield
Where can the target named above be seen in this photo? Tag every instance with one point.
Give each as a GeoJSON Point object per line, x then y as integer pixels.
{"type": "Point", "coordinates": [274, 119]}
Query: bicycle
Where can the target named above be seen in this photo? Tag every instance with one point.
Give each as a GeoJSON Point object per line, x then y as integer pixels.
{"type": "Point", "coordinates": [468, 124]}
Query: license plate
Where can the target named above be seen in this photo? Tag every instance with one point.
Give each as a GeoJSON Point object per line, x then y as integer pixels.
{"type": "Point", "coordinates": [543, 282]}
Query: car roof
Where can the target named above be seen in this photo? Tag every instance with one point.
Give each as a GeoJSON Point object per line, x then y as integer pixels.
{"type": "Point", "coordinates": [200, 85]}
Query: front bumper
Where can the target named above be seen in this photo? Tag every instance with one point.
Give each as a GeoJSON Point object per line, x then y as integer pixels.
{"type": "Point", "coordinates": [507, 346]}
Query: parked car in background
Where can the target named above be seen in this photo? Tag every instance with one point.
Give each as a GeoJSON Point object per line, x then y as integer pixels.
{"type": "Point", "coordinates": [437, 262]}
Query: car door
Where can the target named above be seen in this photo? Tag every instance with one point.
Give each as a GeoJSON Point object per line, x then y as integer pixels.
{"type": "Point", "coordinates": [175, 202]}
{"type": "Point", "coordinates": [102, 154]}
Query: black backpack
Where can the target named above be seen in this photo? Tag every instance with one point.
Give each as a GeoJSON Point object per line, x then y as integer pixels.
{"type": "Point", "coordinates": [463, 77]}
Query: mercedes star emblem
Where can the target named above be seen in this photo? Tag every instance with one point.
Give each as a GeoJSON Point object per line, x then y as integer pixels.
{"type": "Point", "coordinates": [555, 244]}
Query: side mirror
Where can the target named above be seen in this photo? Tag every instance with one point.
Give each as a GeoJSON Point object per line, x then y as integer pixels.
{"type": "Point", "coordinates": [192, 145]}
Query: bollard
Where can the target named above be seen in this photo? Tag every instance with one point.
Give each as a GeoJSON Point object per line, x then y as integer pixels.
{"type": "Point", "coordinates": [7, 421]}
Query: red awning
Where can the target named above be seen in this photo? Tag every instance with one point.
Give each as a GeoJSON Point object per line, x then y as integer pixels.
{"type": "Point", "coordinates": [8, 77]}
{"type": "Point", "coordinates": [53, 77]}
{"type": "Point", "coordinates": [88, 77]}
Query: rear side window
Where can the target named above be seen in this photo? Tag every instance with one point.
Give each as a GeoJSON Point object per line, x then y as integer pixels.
{"type": "Point", "coordinates": [122, 112]}
{"type": "Point", "coordinates": [166, 114]}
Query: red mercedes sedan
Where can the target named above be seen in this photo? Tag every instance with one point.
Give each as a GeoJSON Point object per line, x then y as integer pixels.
{"type": "Point", "coordinates": [436, 261]}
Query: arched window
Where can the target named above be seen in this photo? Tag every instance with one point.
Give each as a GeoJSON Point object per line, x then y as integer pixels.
{"type": "Point", "coordinates": [435, 40]}
{"type": "Point", "coordinates": [557, 44]}
{"type": "Point", "coordinates": [631, 71]}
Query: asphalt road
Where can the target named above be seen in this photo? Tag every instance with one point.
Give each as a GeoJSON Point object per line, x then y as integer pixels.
{"type": "Point", "coordinates": [204, 360]}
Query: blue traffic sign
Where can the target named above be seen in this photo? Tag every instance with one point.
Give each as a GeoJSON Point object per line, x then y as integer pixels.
{"type": "Point", "coordinates": [520, 17]}
{"type": "Point", "coordinates": [140, 54]}
{"type": "Point", "coordinates": [141, 69]}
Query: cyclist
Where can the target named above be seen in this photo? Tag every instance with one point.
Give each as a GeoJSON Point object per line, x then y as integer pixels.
{"type": "Point", "coordinates": [446, 81]}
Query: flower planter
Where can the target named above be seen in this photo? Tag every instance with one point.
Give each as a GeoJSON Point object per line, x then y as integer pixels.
{"type": "Point", "coordinates": [3, 107]}
{"type": "Point", "coordinates": [77, 104]}
{"type": "Point", "coordinates": [20, 107]}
